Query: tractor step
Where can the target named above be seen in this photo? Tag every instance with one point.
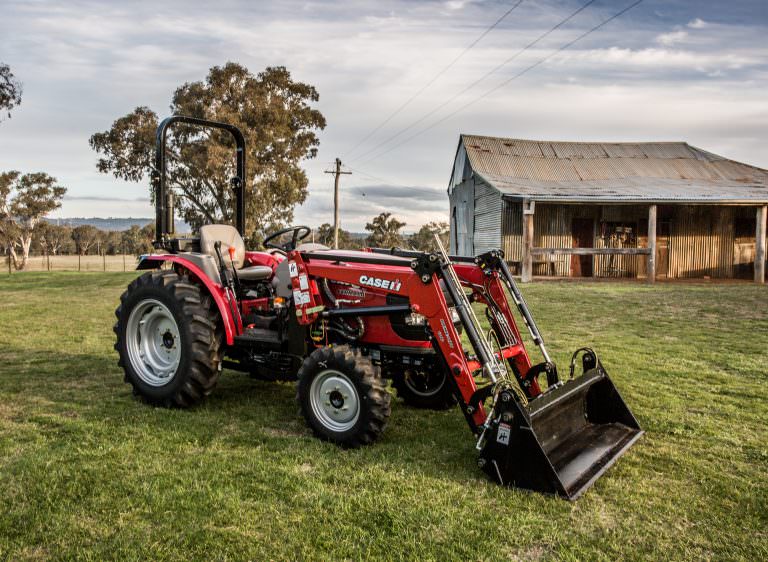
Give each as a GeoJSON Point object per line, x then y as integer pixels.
{"type": "Point", "coordinates": [253, 336]}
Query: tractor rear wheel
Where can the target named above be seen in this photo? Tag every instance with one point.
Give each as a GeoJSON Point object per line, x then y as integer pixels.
{"type": "Point", "coordinates": [424, 388]}
{"type": "Point", "coordinates": [342, 396]}
{"type": "Point", "coordinates": [169, 339]}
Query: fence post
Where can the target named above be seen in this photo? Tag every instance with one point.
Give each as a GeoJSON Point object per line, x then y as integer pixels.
{"type": "Point", "coordinates": [760, 238]}
{"type": "Point", "coordinates": [526, 267]}
{"type": "Point", "coordinates": [9, 261]}
{"type": "Point", "coordinates": [104, 260]}
{"type": "Point", "coordinates": [78, 261]}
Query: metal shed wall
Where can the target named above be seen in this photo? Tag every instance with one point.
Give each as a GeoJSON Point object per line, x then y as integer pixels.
{"type": "Point", "coordinates": [487, 219]}
{"type": "Point", "coordinates": [701, 242]}
{"type": "Point", "coordinates": [462, 202]}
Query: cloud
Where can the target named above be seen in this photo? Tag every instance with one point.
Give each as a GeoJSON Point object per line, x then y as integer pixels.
{"type": "Point", "coordinates": [402, 193]}
{"type": "Point", "coordinates": [455, 4]}
{"type": "Point", "coordinates": [663, 59]}
{"type": "Point", "coordinates": [646, 75]}
{"type": "Point", "coordinates": [672, 38]}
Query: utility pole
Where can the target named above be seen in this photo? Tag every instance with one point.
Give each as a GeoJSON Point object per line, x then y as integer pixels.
{"type": "Point", "coordinates": [336, 172]}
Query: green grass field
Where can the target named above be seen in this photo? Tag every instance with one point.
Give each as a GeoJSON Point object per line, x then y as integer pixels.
{"type": "Point", "coordinates": [87, 472]}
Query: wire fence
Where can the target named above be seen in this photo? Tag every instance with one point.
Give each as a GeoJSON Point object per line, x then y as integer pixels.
{"type": "Point", "coordinates": [121, 262]}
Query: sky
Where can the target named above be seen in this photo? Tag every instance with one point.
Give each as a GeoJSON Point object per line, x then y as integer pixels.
{"type": "Point", "coordinates": [671, 70]}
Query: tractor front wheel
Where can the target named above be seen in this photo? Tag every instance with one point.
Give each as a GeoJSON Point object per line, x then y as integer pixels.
{"type": "Point", "coordinates": [169, 339]}
{"type": "Point", "coordinates": [342, 397]}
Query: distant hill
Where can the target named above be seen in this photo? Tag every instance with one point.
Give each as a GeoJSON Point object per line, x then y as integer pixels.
{"type": "Point", "coordinates": [114, 223]}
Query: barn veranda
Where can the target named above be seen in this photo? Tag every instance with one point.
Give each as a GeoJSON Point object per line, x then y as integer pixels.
{"type": "Point", "coordinates": [88, 472]}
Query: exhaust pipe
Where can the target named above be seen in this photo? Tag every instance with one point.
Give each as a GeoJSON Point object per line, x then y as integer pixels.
{"type": "Point", "coordinates": [562, 441]}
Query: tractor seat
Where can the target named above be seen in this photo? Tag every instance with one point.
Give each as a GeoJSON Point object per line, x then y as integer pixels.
{"type": "Point", "coordinates": [230, 238]}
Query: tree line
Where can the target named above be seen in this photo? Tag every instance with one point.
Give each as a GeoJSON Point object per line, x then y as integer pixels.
{"type": "Point", "coordinates": [385, 231]}
{"type": "Point", "coordinates": [51, 239]}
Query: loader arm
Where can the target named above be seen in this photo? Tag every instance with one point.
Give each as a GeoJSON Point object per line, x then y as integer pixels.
{"type": "Point", "coordinates": [559, 440]}
{"type": "Point", "coordinates": [398, 277]}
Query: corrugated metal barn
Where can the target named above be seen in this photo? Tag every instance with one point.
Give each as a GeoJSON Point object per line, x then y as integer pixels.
{"type": "Point", "coordinates": [663, 210]}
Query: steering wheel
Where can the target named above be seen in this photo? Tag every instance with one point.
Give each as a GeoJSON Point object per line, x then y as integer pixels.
{"type": "Point", "coordinates": [299, 234]}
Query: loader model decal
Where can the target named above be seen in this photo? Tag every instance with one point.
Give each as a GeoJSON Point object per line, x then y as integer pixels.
{"type": "Point", "coordinates": [444, 335]}
{"type": "Point", "coordinates": [380, 283]}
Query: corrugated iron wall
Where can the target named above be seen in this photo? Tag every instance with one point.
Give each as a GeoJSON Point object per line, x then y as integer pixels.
{"type": "Point", "coordinates": [701, 238]}
{"type": "Point", "coordinates": [462, 208]}
{"type": "Point", "coordinates": [512, 229]}
{"type": "Point", "coordinates": [488, 218]}
{"type": "Point", "coordinates": [552, 229]}
{"type": "Point", "coordinates": [702, 242]}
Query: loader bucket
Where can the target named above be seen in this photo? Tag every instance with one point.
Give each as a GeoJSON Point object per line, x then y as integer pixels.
{"type": "Point", "coordinates": [563, 440]}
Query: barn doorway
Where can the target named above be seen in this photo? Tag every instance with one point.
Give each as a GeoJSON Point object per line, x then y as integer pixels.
{"type": "Point", "coordinates": [583, 231]}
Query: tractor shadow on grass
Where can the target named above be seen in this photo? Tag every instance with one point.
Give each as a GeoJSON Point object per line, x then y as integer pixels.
{"type": "Point", "coordinates": [69, 395]}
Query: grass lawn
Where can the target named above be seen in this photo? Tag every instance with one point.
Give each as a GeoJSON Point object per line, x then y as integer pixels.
{"type": "Point", "coordinates": [87, 472]}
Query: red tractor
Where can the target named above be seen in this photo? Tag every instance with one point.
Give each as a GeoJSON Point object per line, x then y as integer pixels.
{"type": "Point", "coordinates": [342, 322]}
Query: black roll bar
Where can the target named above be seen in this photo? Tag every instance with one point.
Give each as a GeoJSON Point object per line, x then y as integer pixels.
{"type": "Point", "coordinates": [164, 198]}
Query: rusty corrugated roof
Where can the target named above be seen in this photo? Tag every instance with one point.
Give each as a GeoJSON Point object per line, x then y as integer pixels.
{"type": "Point", "coordinates": [590, 171]}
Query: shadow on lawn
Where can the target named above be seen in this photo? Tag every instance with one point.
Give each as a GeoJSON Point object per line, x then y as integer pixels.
{"type": "Point", "coordinates": [73, 396]}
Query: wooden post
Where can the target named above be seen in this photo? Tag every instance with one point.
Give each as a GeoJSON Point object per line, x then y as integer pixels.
{"type": "Point", "coordinates": [651, 269]}
{"type": "Point", "coordinates": [9, 260]}
{"type": "Point", "coordinates": [78, 261]}
{"type": "Point", "coordinates": [760, 235]}
{"type": "Point", "coordinates": [527, 265]}
{"type": "Point", "coordinates": [104, 259]}
{"type": "Point", "coordinates": [336, 172]}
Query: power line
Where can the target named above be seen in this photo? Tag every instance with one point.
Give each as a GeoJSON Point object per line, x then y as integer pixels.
{"type": "Point", "coordinates": [478, 81]}
{"type": "Point", "coordinates": [506, 82]}
{"type": "Point", "coordinates": [433, 79]}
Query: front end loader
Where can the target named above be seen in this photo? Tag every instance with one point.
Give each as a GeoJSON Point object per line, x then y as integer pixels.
{"type": "Point", "coordinates": [341, 322]}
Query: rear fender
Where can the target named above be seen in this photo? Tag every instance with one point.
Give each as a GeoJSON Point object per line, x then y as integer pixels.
{"type": "Point", "coordinates": [232, 326]}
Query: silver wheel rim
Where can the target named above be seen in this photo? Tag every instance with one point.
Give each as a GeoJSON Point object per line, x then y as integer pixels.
{"type": "Point", "coordinates": [407, 379]}
{"type": "Point", "coordinates": [334, 400]}
{"type": "Point", "coordinates": [153, 342]}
